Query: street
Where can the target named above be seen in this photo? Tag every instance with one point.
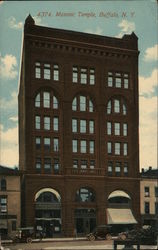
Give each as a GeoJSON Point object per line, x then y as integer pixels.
{"type": "Point", "coordinates": [68, 245]}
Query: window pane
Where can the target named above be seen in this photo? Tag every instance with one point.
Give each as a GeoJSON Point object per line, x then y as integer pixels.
{"type": "Point", "coordinates": [38, 142]}
{"type": "Point", "coordinates": [125, 129]}
{"type": "Point", "coordinates": [55, 123]}
{"type": "Point", "coordinates": [118, 82]}
{"type": "Point", "coordinates": [56, 144]}
{"type": "Point", "coordinates": [116, 106]}
{"type": "Point", "coordinates": [117, 128]}
{"type": "Point", "coordinates": [56, 73]}
{"type": "Point", "coordinates": [47, 143]}
{"type": "Point", "coordinates": [125, 149]}
{"type": "Point", "coordinates": [125, 169]}
{"type": "Point", "coordinates": [110, 81]}
{"type": "Point", "coordinates": [110, 166]}
{"type": "Point", "coordinates": [117, 148]}
{"type": "Point", "coordinates": [147, 207]}
{"type": "Point", "coordinates": [38, 163]}
{"type": "Point", "coordinates": [37, 122]}
{"type": "Point", "coordinates": [124, 109]}
{"type": "Point", "coordinates": [118, 167]}
{"type": "Point", "coordinates": [82, 103]}
{"type": "Point", "coordinates": [74, 146]}
{"type": "Point", "coordinates": [109, 127]}
{"type": "Point", "coordinates": [75, 75]}
{"type": "Point", "coordinates": [74, 104]}
{"type": "Point", "coordinates": [37, 100]}
{"type": "Point", "coordinates": [56, 166]}
{"type": "Point", "coordinates": [82, 126]}
{"type": "Point", "coordinates": [109, 147]}
{"type": "Point", "coordinates": [46, 100]}
{"type": "Point", "coordinates": [74, 125]}
{"type": "Point", "coordinates": [92, 164]}
{"type": "Point", "coordinates": [91, 109]}
{"type": "Point", "coordinates": [91, 127]}
{"type": "Point", "coordinates": [47, 164]}
{"type": "Point", "coordinates": [156, 191]}
{"type": "Point", "coordinates": [55, 103]}
{"type": "Point", "coordinates": [83, 164]}
{"type": "Point", "coordinates": [37, 70]}
{"type": "Point", "coordinates": [92, 77]}
{"type": "Point", "coordinates": [83, 76]}
{"type": "Point", "coordinates": [83, 145]}
{"type": "Point", "coordinates": [46, 73]}
{"type": "Point", "coordinates": [47, 123]}
{"type": "Point", "coordinates": [75, 163]}
{"type": "Point", "coordinates": [109, 107]}
{"type": "Point", "coordinates": [91, 147]}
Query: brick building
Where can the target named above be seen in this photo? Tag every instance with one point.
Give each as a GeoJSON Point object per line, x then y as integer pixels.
{"type": "Point", "coordinates": [78, 130]}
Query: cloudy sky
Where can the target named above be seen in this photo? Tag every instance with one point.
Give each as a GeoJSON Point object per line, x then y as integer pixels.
{"type": "Point", "coordinates": [119, 17]}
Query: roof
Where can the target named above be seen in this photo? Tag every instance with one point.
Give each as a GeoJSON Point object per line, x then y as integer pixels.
{"type": "Point", "coordinates": [150, 173]}
{"type": "Point", "coordinates": [8, 171]}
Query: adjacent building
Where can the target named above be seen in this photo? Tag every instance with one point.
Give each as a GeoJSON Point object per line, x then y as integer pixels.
{"type": "Point", "coordinates": [149, 196]}
{"type": "Point", "coordinates": [10, 201]}
{"type": "Point", "coordinates": [78, 130]}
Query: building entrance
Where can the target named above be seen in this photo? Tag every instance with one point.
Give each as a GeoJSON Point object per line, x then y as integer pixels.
{"type": "Point", "coordinates": [85, 220]}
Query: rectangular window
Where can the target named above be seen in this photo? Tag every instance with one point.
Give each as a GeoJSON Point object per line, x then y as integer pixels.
{"type": "Point", "coordinates": [109, 148]}
{"type": "Point", "coordinates": [37, 122]}
{"type": "Point", "coordinates": [46, 99]}
{"type": "Point", "coordinates": [125, 149]}
{"type": "Point", "coordinates": [37, 70]}
{"type": "Point", "coordinates": [109, 107]}
{"type": "Point", "coordinates": [47, 71]}
{"type": "Point", "coordinates": [46, 143]}
{"type": "Point", "coordinates": [116, 106]}
{"type": "Point", "coordinates": [110, 167]}
{"type": "Point", "coordinates": [91, 147]}
{"type": "Point", "coordinates": [55, 103]}
{"type": "Point", "coordinates": [118, 168]}
{"type": "Point", "coordinates": [75, 163]}
{"type": "Point", "coordinates": [125, 129]}
{"type": "Point", "coordinates": [92, 164]}
{"type": "Point", "coordinates": [126, 81]}
{"type": "Point", "coordinates": [47, 123]}
{"type": "Point", "coordinates": [91, 108]}
{"type": "Point", "coordinates": [74, 146]}
{"type": "Point", "coordinates": [109, 128]}
{"type": "Point", "coordinates": [38, 101]}
{"type": "Point", "coordinates": [56, 144]}
{"type": "Point", "coordinates": [117, 128]}
{"type": "Point", "coordinates": [92, 77]}
{"type": "Point", "coordinates": [83, 164]}
{"type": "Point", "coordinates": [47, 165]}
{"type": "Point", "coordinates": [75, 74]}
{"type": "Point", "coordinates": [56, 72]}
{"type": "Point", "coordinates": [156, 191]}
{"type": "Point", "coordinates": [74, 125]}
{"type": "Point", "coordinates": [82, 103]}
{"type": "Point", "coordinates": [74, 104]}
{"type": "Point", "coordinates": [83, 76]}
{"type": "Point", "coordinates": [147, 207]}
{"type": "Point", "coordinates": [117, 148]}
{"type": "Point", "coordinates": [38, 142]}
{"type": "Point", "coordinates": [56, 166]}
{"type": "Point", "coordinates": [83, 146]}
{"type": "Point", "coordinates": [110, 79]}
{"type": "Point", "coordinates": [3, 204]}
{"type": "Point", "coordinates": [38, 164]}
{"type": "Point", "coordinates": [146, 192]}
{"type": "Point", "coordinates": [83, 125]}
{"type": "Point", "coordinates": [118, 82]}
{"type": "Point", "coordinates": [91, 127]}
{"type": "Point", "coordinates": [125, 168]}
{"type": "Point", "coordinates": [156, 207]}
{"type": "Point", "coordinates": [14, 225]}
{"type": "Point", "coordinates": [55, 123]}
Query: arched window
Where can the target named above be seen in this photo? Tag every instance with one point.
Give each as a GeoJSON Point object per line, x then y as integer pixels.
{"type": "Point", "coordinates": [85, 195]}
{"type": "Point", "coordinates": [38, 100]}
{"type": "Point", "coordinates": [119, 197]}
{"type": "Point", "coordinates": [82, 103]}
{"type": "Point", "coordinates": [3, 185]}
{"type": "Point", "coordinates": [47, 195]}
{"type": "Point", "coordinates": [46, 99]}
{"type": "Point", "coordinates": [116, 106]}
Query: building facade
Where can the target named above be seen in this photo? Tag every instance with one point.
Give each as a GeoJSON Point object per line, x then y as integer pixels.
{"type": "Point", "coordinates": [10, 201]}
{"type": "Point", "coordinates": [78, 129]}
{"type": "Point", "coordinates": [149, 197]}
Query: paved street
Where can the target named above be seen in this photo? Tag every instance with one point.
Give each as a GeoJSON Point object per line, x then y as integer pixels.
{"type": "Point", "coordinates": [68, 245]}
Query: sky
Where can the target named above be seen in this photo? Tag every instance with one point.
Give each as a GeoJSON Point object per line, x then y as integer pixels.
{"type": "Point", "coordinates": [110, 18]}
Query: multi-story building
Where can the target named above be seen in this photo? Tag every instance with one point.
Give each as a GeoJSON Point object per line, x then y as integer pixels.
{"type": "Point", "coordinates": [149, 197]}
{"type": "Point", "coordinates": [10, 201]}
{"type": "Point", "coordinates": [78, 130]}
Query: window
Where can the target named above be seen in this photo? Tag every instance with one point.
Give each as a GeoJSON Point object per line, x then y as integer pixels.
{"type": "Point", "coordinates": [121, 80]}
{"type": "Point", "coordinates": [47, 71]}
{"type": "Point", "coordinates": [47, 123]}
{"type": "Point", "coordinates": [110, 167]}
{"type": "Point", "coordinates": [147, 207]}
{"type": "Point", "coordinates": [37, 100]}
{"type": "Point", "coordinates": [125, 168]}
{"type": "Point", "coordinates": [56, 72]}
{"type": "Point", "coordinates": [47, 143]}
{"type": "Point", "coordinates": [125, 148]}
{"type": "Point", "coordinates": [56, 166]}
{"type": "Point", "coordinates": [83, 164]}
{"type": "Point", "coordinates": [118, 82]}
{"type": "Point", "coordinates": [85, 195]}
{"type": "Point", "coordinates": [91, 127]}
{"type": "Point", "coordinates": [146, 191]}
{"type": "Point", "coordinates": [55, 103]}
{"type": "Point", "coordinates": [91, 147]}
{"type": "Point", "coordinates": [92, 77]}
{"type": "Point", "coordinates": [74, 146]}
{"type": "Point", "coordinates": [46, 99]}
{"type": "Point", "coordinates": [124, 109]}
{"type": "Point", "coordinates": [156, 191]}
{"type": "Point", "coordinates": [83, 76]}
{"type": "Point", "coordinates": [38, 163]}
{"type": "Point", "coordinates": [109, 107]}
{"type": "Point", "coordinates": [118, 167]}
{"type": "Point", "coordinates": [37, 122]}
{"type": "Point", "coordinates": [82, 103]}
{"type": "Point", "coordinates": [37, 70]}
{"type": "Point", "coordinates": [3, 185]}
{"type": "Point", "coordinates": [74, 125]}
{"type": "Point", "coordinates": [56, 144]}
{"type": "Point", "coordinates": [3, 204]}
{"type": "Point", "coordinates": [126, 81]}
{"type": "Point", "coordinates": [55, 123]}
{"type": "Point", "coordinates": [75, 74]}
{"type": "Point", "coordinates": [38, 142]}
{"type": "Point", "coordinates": [109, 128]}
{"type": "Point", "coordinates": [156, 207]}
{"type": "Point", "coordinates": [74, 104]}
{"type": "Point", "coordinates": [125, 129]}
{"type": "Point", "coordinates": [116, 106]}
{"type": "Point", "coordinates": [75, 163]}
{"type": "Point", "coordinates": [14, 225]}
{"type": "Point", "coordinates": [117, 128]}
{"type": "Point", "coordinates": [83, 126]}
{"type": "Point", "coordinates": [110, 79]}
{"type": "Point", "coordinates": [47, 165]}
{"type": "Point", "coordinates": [90, 106]}
{"type": "Point", "coordinates": [117, 148]}
{"type": "Point", "coordinates": [109, 148]}
{"type": "Point", "coordinates": [92, 164]}
{"type": "Point", "coordinates": [83, 146]}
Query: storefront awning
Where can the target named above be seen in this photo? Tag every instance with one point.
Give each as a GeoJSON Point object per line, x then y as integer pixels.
{"type": "Point", "coordinates": [3, 224]}
{"type": "Point", "coordinates": [120, 216]}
